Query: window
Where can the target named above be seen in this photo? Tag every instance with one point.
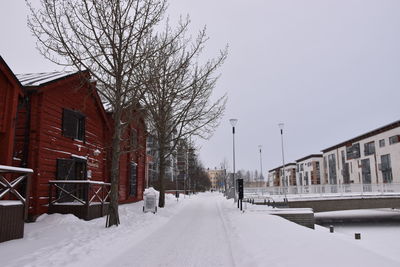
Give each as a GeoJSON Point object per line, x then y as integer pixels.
{"type": "Point", "coordinates": [325, 170]}
{"type": "Point", "coordinates": [132, 179]}
{"type": "Point", "coordinates": [73, 124]}
{"type": "Point", "coordinates": [346, 173]}
{"type": "Point", "coordinates": [306, 178]}
{"type": "Point", "coordinates": [369, 148]}
{"type": "Point", "coordinates": [343, 158]}
{"type": "Point", "coordinates": [353, 152]}
{"type": "Point", "coordinates": [317, 172]}
{"type": "Point", "coordinates": [366, 171]}
{"type": "Point", "coordinates": [382, 143]}
{"type": "Point", "coordinates": [394, 139]}
{"type": "Point", "coordinates": [302, 167]}
{"type": "Point", "coordinates": [332, 169]}
{"type": "Point", "coordinates": [134, 139]}
{"type": "Point", "coordinates": [386, 168]}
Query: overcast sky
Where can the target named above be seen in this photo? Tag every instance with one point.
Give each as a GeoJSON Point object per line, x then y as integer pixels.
{"type": "Point", "coordinates": [329, 70]}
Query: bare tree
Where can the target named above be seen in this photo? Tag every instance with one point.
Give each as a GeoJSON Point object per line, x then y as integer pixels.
{"type": "Point", "coordinates": [199, 179]}
{"type": "Point", "coordinates": [178, 91]}
{"type": "Point", "coordinates": [108, 38]}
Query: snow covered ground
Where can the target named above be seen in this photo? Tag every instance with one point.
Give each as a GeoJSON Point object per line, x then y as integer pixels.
{"type": "Point", "coordinates": [379, 229]}
{"type": "Point", "coordinates": [203, 230]}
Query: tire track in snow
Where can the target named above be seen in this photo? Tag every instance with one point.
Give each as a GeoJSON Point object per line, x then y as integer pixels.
{"type": "Point", "coordinates": [226, 233]}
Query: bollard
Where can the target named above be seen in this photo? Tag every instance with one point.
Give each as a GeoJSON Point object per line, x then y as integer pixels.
{"type": "Point", "coordinates": [331, 229]}
{"type": "Point", "coordinates": [265, 201]}
{"type": "Point", "coordinates": [357, 236]}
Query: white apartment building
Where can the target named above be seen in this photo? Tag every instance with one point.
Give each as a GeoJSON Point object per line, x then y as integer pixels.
{"type": "Point", "coordinates": [373, 157]}
{"type": "Point", "coordinates": [309, 170]}
{"type": "Point", "coordinates": [217, 178]}
{"type": "Point", "coordinates": [271, 178]}
{"type": "Point", "coordinates": [275, 177]}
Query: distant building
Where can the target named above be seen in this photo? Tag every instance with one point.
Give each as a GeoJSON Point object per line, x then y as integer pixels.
{"type": "Point", "coordinates": [277, 178]}
{"type": "Point", "coordinates": [152, 151]}
{"type": "Point", "coordinates": [152, 160]}
{"type": "Point", "coordinates": [371, 158]}
{"type": "Point", "coordinates": [216, 178]}
{"type": "Point", "coordinates": [309, 170]}
{"type": "Point", "coordinates": [290, 174]}
{"type": "Point", "coordinates": [270, 178]}
{"type": "Point", "coordinates": [182, 161]}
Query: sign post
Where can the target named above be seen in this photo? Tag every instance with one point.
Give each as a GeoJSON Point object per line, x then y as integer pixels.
{"type": "Point", "coordinates": [240, 191]}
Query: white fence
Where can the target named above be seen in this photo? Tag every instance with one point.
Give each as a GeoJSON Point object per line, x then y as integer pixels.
{"type": "Point", "coordinates": [327, 189]}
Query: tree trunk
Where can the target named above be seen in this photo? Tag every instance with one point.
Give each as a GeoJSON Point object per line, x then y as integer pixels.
{"type": "Point", "coordinates": [113, 215]}
{"type": "Point", "coordinates": [161, 175]}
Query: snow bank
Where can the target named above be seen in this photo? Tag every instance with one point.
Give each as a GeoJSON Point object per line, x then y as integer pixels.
{"type": "Point", "coordinates": [260, 239]}
{"type": "Point", "coordinates": [65, 240]}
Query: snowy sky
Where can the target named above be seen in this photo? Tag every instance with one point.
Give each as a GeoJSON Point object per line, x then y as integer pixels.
{"type": "Point", "coordinates": [328, 69]}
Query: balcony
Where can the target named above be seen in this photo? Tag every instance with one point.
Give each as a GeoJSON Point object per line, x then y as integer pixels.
{"type": "Point", "coordinates": [83, 198]}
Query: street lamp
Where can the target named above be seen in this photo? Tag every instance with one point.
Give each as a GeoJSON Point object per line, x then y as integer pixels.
{"type": "Point", "coordinates": [284, 181]}
{"type": "Point", "coordinates": [233, 123]}
{"type": "Point", "coordinates": [261, 176]}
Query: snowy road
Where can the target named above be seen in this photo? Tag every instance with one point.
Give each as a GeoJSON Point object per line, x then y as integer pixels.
{"type": "Point", "coordinates": [196, 236]}
{"type": "Point", "coordinates": [203, 230]}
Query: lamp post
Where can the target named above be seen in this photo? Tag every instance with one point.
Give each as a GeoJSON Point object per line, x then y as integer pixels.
{"type": "Point", "coordinates": [283, 157]}
{"type": "Point", "coordinates": [261, 175]}
{"type": "Point", "coordinates": [233, 123]}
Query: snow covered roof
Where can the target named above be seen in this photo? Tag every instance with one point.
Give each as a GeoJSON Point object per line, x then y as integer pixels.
{"type": "Point", "coordinates": [309, 157]}
{"type": "Point", "coordinates": [37, 79]}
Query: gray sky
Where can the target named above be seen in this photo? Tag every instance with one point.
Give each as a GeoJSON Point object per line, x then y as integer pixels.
{"type": "Point", "coordinates": [330, 70]}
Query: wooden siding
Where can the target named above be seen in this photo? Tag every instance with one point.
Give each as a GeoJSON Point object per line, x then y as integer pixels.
{"type": "Point", "coordinates": [4, 88]}
{"type": "Point", "coordinates": [9, 92]}
{"type": "Point", "coordinates": [11, 222]}
{"type": "Point", "coordinates": [139, 157]}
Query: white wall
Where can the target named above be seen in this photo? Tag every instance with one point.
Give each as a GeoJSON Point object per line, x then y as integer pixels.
{"type": "Point", "coordinates": [307, 169]}
{"type": "Point", "coordinates": [375, 159]}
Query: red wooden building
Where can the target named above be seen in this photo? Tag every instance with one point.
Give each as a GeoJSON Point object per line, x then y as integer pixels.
{"type": "Point", "coordinates": [13, 189]}
{"type": "Point", "coordinates": [133, 162]}
{"type": "Point", "coordinates": [55, 124]}
{"type": "Point", "coordinates": [10, 93]}
{"type": "Point", "coordinates": [63, 133]}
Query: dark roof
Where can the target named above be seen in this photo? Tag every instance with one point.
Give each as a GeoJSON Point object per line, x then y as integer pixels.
{"type": "Point", "coordinates": [38, 79]}
{"type": "Point", "coordinates": [310, 156]}
{"type": "Point", "coordinates": [280, 167]}
{"type": "Point", "coordinates": [363, 136]}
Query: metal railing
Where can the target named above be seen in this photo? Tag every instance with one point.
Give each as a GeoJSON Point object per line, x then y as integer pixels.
{"type": "Point", "coordinates": [14, 185]}
{"type": "Point", "coordinates": [78, 192]}
{"type": "Point", "coordinates": [327, 189]}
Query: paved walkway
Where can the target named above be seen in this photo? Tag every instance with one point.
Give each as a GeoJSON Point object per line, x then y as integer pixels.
{"type": "Point", "coordinates": [196, 236]}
